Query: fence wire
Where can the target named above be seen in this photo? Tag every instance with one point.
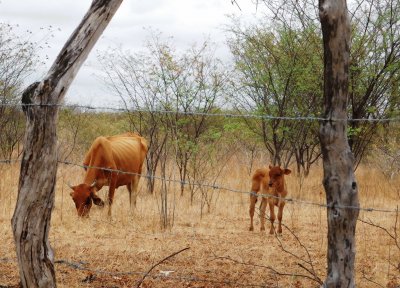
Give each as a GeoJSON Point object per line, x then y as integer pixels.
{"type": "Point", "coordinates": [199, 113]}
{"type": "Point", "coordinates": [227, 115]}
{"type": "Point", "coordinates": [219, 187]}
{"type": "Point", "coordinates": [161, 275]}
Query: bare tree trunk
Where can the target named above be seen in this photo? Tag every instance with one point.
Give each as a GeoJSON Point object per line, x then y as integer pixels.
{"type": "Point", "coordinates": [339, 180]}
{"type": "Point", "coordinates": [31, 219]}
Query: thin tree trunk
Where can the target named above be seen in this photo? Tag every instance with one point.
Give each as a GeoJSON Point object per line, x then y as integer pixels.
{"type": "Point", "coordinates": [339, 180]}
{"type": "Point", "coordinates": [31, 219]}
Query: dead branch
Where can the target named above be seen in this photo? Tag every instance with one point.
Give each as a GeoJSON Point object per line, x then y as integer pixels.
{"type": "Point", "coordinates": [158, 263]}
{"type": "Point", "coordinates": [309, 262]}
{"type": "Point", "coordinates": [370, 280]}
{"type": "Point", "coordinates": [299, 258]}
{"type": "Point", "coordinates": [267, 267]}
{"type": "Point", "coordinates": [393, 235]}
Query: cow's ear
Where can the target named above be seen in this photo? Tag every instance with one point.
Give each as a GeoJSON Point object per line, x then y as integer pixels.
{"type": "Point", "coordinates": [96, 199]}
{"type": "Point", "coordinates": [287, 171]}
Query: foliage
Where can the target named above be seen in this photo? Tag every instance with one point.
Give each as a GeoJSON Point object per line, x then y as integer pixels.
{"type": "Point", "coordinates": [374, 90]}
{"type": "Point", "coordinates": [160, 79]}
{"type": "Point", "coordinates": [278, 74]}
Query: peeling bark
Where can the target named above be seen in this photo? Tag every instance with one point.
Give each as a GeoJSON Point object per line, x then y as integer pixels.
{"type": "Point", "coordinates": [339, 180]}
{"type": "Point", "coordinates": [32, 214]}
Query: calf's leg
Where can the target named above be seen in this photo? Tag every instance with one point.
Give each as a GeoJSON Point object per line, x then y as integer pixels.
{"type": "Point", "coordinates": [271, 203]}
{"type": "Point", "coordinates": [263, 207]}
{"type": "Point", "coordinates": [253, 200]}
{"type": "Point", "coordinates": [280, 215]}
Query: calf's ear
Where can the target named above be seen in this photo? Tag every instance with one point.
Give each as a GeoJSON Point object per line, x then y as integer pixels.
{"type": "Point", "coordinates": [96, 199]}
{"type": "Point", "coordinates": [287, 171]}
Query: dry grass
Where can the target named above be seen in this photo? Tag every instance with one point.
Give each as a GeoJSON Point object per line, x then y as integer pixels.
{"type": "Point", "coordinates": [223, 253]}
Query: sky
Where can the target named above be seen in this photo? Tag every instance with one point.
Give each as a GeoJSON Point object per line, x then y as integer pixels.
{"type": "Point", "coordinates": [187, 21]}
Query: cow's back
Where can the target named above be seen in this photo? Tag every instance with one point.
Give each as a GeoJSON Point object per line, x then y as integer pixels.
{"type": "Point", "coordinates": [128, 151]}
{"type": "Point", "coordinates": [125, 152]}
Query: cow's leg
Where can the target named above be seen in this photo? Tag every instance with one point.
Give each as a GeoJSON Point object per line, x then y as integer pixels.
{"type": "Point", "coordinates": [111, 194]}
{"type": "Point", "coordinates": [129, 186]}
{"type": "Point", "coordinates": [253, 200]}
{"type": "Point", "coordinates": [134, 186]}
{"type": "Point", "coordinates": [280, 214]}
{"type": "Point", "coordinates": [271, 202]}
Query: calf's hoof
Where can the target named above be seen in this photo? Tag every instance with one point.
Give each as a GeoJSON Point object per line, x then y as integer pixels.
{"type": "Point", "coordinates": [251, 228]}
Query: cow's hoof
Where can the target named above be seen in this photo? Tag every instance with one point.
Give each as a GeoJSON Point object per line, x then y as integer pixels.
{"type": "Point", "coordinates": [251, 229]}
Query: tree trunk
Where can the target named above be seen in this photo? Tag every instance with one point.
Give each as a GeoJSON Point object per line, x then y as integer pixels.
{"type": "Point", "coordinates": [31, 219]}
{"type": "Point", "coordinates": [339, 180]}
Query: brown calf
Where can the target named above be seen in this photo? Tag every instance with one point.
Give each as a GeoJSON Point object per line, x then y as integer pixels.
{"type": "Point", "coordinates": [272, 183]}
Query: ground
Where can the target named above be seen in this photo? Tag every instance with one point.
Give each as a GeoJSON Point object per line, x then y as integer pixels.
{"type": "Point", "coordinates": [119, 251]}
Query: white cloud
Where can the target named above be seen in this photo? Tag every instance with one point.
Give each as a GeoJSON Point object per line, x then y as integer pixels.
{"type": "Point", "coordinates": [188, 21]}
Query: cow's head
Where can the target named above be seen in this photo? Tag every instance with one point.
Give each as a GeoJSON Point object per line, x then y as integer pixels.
{"type": "Point", "coordinates": [83, 195]}
{"type": "Point", "coordinates": [276, 175]}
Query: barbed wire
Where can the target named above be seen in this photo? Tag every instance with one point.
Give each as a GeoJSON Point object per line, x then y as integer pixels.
{"type": "Point", "coordinates": [219, 187]}
{"type": "Point", "coordinates": [208, 114]}
{"type": "Point", "coordinates": [81, 266]}
{"type": "Point", "coordinates": [9, 161]}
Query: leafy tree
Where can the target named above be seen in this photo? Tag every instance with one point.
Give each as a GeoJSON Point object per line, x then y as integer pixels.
{"type": "Point", "coordinates": [373, 75]}
{"type": "Point", "coordinates": [161, 79]}
{"type": "Point", "coordinates": [278, 74]}
{"type": "Point", "coordinates": [134, 78]}
{"type": "Point", "coordinates": [374, 85]}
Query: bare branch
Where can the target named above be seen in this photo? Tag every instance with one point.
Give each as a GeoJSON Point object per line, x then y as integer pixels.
{"type": "Point", "coordinates": [158, 263]}
{"type": "Point", "coordinates": [394, 236]}
{"type": "Point", "coordinates": [266, 267]}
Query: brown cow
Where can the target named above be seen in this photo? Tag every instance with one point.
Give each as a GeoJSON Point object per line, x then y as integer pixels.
{"type": "Point", "coordinates": [270, 182]}
{"type": "Point", "coordinates": [125, 152]}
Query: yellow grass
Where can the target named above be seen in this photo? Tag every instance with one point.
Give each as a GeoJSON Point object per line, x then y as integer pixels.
{"type": "Point", "coordinates": [223, 253]}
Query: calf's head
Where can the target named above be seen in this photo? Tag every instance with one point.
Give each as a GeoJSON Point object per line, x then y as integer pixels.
{"type": "Point", "coordinates": [83, 196]}
{"type": "Point", "coordinates": [276, 176]}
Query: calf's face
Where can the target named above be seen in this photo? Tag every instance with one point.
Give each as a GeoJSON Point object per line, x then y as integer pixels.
{"type": "Point", "coordinates": [83, 195]}
{"type": "Point", "coordinates": [276, 175]}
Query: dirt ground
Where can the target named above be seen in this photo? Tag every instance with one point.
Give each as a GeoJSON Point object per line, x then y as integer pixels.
{"type": "Point", "coordinates": [221, 252]}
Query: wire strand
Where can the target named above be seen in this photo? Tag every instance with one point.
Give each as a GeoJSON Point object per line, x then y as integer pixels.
{"type": "Point", "coordinates": [219, 187]}
{"type": "Point", "coordinates": [197, 113]}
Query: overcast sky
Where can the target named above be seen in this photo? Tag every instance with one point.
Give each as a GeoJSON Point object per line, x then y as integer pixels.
{"type": "Point", "coordinates": [187, 21]}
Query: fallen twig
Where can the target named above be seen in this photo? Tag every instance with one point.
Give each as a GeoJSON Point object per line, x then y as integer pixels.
{"type": "Point", "coordinates": [158, 263]}
{"type": "Point", "coordinates": [265, 267]}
